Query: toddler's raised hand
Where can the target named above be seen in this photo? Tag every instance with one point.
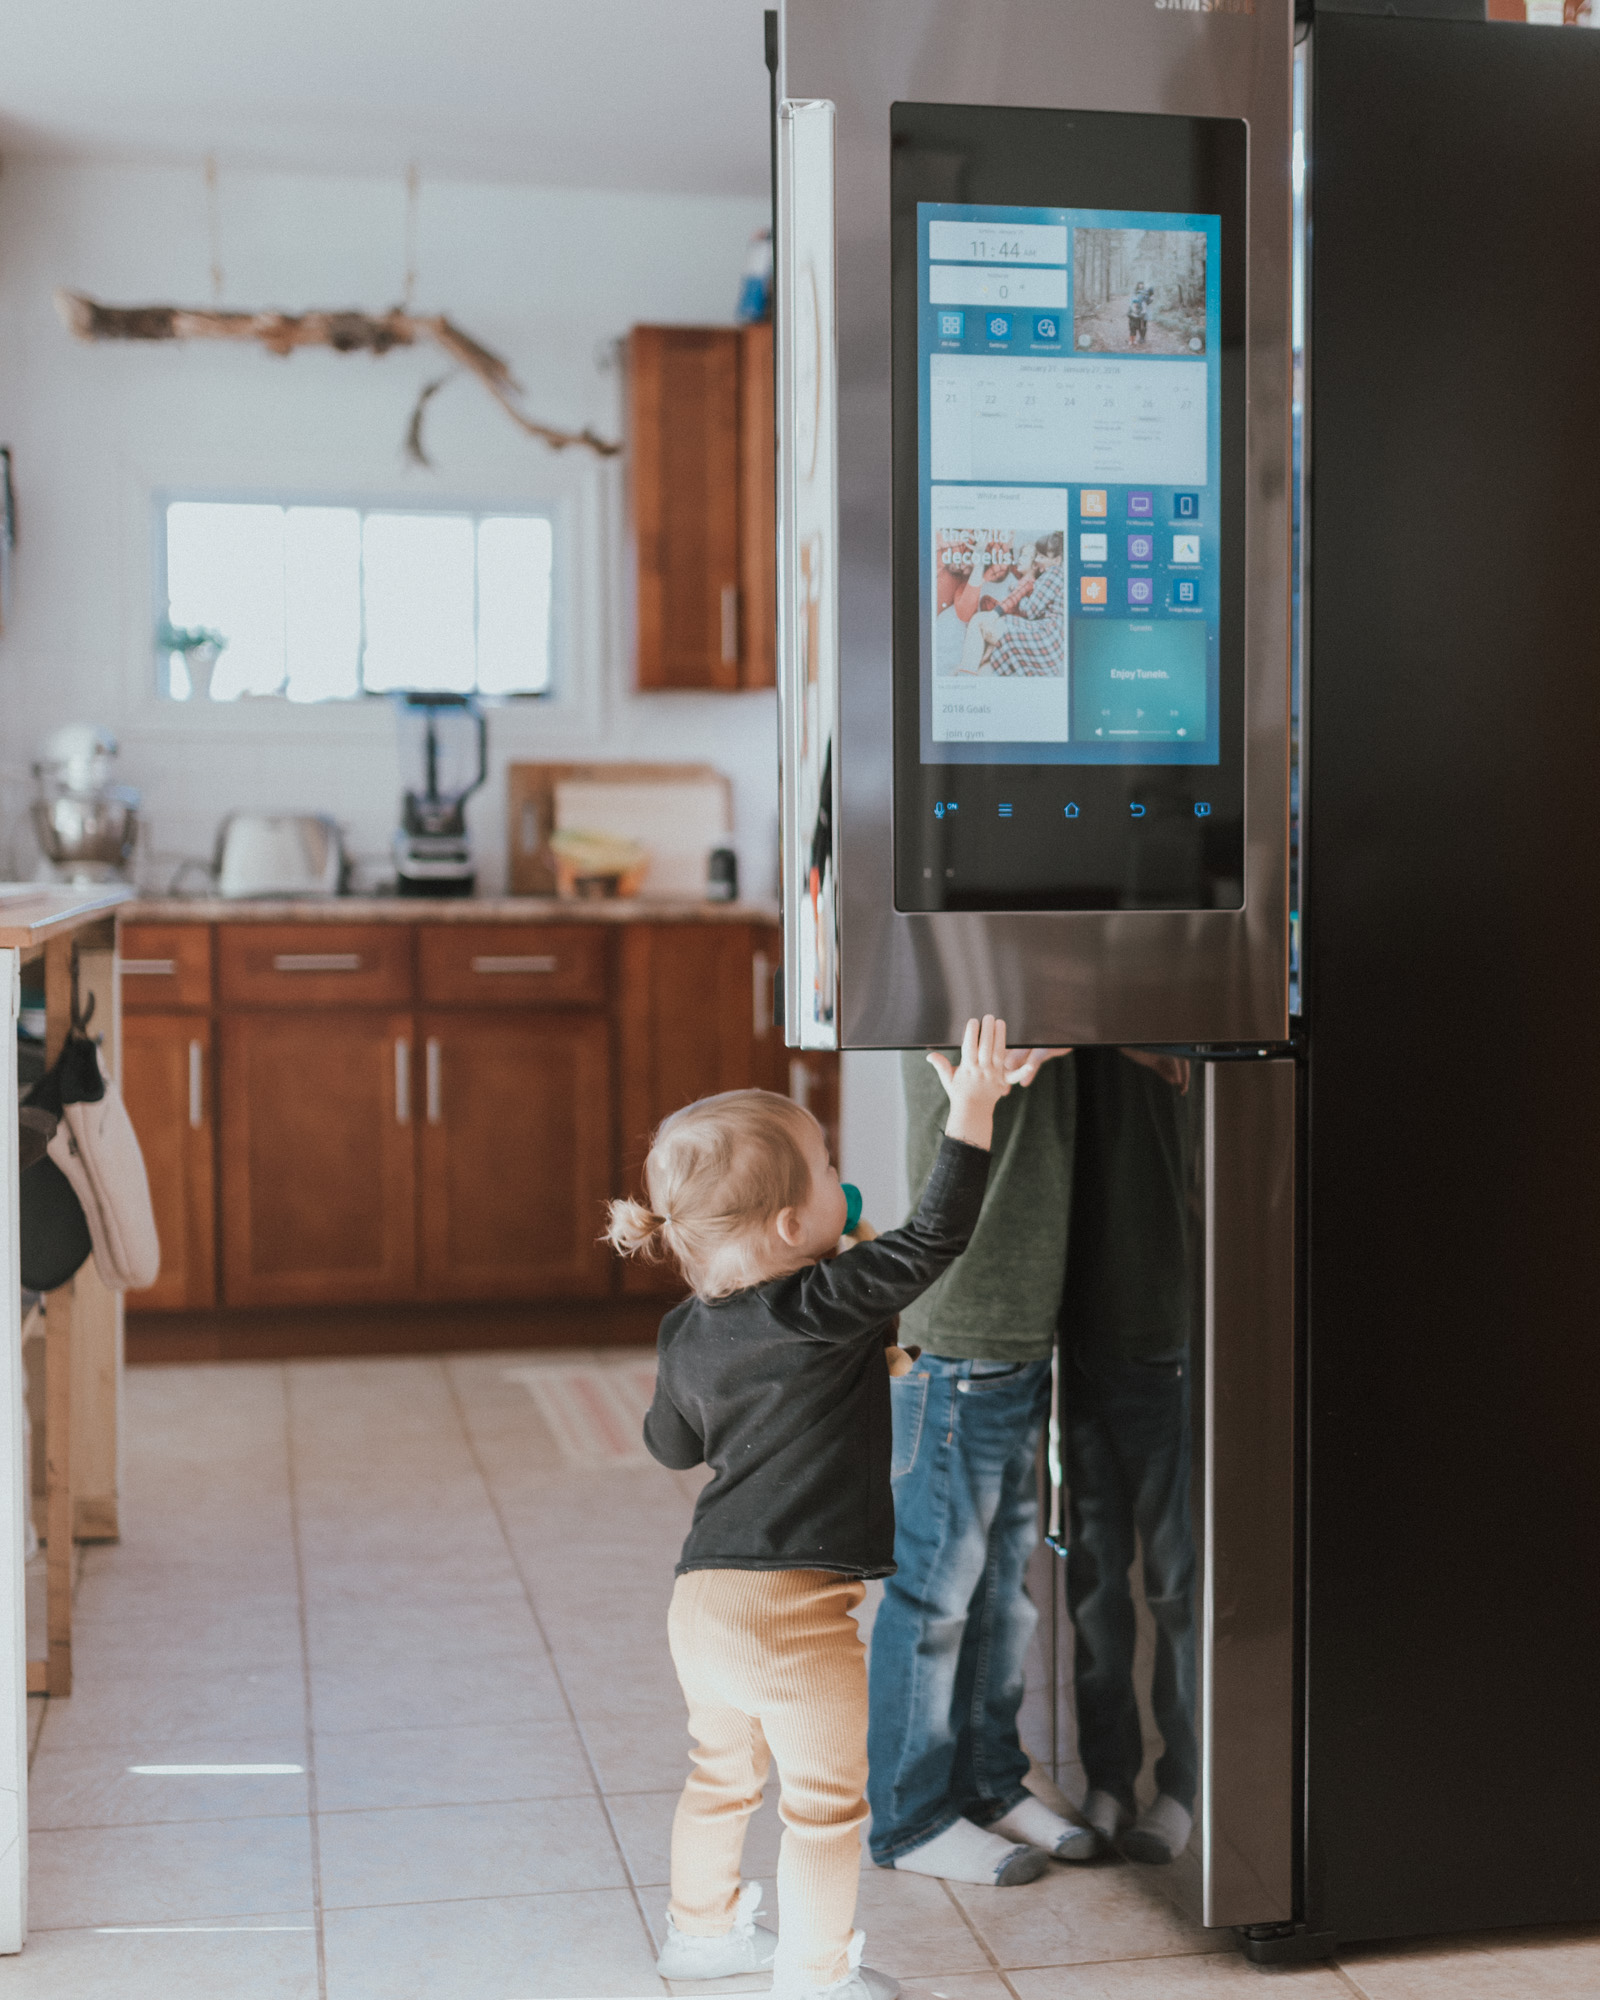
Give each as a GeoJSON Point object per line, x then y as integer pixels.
{"type": "Point", "coordinates": [977, 1083]}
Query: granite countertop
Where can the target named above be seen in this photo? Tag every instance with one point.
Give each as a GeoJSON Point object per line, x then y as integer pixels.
{"type": "Point", "coordinates": [435, 910]}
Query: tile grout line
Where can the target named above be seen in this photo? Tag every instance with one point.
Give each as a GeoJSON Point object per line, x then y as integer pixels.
{"type": "Point", "coordinates": [287, 1397]}
{"type": "Point", "coordinates": [978, 1938]}
{"type": "Point", "coordinates": [443, 1364]}
{"type": "Point", "coordinates": [1340, 1972]}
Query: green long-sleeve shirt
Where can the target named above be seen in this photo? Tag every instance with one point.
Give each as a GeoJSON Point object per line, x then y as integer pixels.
{"type": "Point", "coordinates": [1001, 1300]}
{"type": "Point", "coordinates": [1096, 1155]}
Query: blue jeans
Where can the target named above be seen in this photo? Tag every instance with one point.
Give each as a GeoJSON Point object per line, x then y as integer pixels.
{"type": "Point", "coordinates": [955, 1621]}
{"type": "Point", "coordinates": [1126, 1432]}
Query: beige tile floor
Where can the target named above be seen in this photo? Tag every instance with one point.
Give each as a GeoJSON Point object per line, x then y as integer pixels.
{"type": "Point", "coordinates": [385, 1574]}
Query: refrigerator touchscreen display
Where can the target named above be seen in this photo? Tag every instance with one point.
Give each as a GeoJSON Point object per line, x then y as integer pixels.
{"type": "Point", "coordinates": [1068, 652]}
{"type": "Point", "coordinates": [1070, 412]}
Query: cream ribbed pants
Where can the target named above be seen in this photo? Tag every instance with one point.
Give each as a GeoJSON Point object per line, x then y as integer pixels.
{"type": "Point", "coordinates": [770, 1660]}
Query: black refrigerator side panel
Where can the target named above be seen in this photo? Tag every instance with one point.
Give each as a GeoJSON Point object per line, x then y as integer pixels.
{"type": "Point", "coordinates": [1452, 933]}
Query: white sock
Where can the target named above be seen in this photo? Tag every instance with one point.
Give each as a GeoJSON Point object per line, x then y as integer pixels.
{"type": "Point", "coordinates": [1033, 1821]}
{"type": "Point", "coordinates": [964, 1853]}
{"type": "Point", "coordinates": [1108, 1816]}
{"type": "Point", "coordinates": [1161, 1833]}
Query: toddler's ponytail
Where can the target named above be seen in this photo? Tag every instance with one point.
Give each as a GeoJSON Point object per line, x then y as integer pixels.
{"type": "Point", "coordinates": [717, 1173]}
{"type": "Point", "coordinates": [633, 1230]}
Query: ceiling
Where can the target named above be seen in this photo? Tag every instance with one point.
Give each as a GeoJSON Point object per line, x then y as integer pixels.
{"type": "Point", "coordinates": [649, 94]}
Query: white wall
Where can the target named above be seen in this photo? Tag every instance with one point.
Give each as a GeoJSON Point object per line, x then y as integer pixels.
{"type": "Point", "coordinates": [548, 278]}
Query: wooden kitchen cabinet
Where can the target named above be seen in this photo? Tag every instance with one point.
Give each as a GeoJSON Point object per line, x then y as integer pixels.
{"type": "Point", "coordinates": [701, 488]}
{"type": "Point", "coordinates": [366, 1112]}
{"type": "Point", "coordinates": [165, 966]}
{"type": "Point", "coordinates": [167, 1085]}
{"type": "Point", "coordinates": [758, 511]}
{"type": "Point", "coordinates": [516, 1154]}
{"type": "Point", "coordinates": [503, 965]}
{"type": "Point", "coordinates": [313, 965]}
{"type": "Point", "coordinates": [318, 1157]}
{"type": "Point", "coordinates": [695, 1017]}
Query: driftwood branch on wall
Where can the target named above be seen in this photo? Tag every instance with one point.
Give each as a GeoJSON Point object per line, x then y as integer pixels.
{"type": "Point", "coordinates": [345, 333]}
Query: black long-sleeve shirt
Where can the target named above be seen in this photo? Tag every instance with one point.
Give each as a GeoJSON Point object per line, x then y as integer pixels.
{"type": "Point", "coordinates": [783, 1390]}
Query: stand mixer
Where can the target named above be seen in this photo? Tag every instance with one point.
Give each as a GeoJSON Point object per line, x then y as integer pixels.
{"type": "Point", "coordinates": [86, 826]}
{"type": "Point", "coordinates": [444, 743]}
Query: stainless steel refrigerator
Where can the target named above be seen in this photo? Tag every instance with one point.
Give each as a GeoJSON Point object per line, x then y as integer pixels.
{"type": "Point", "coordinates": [1167, 526]}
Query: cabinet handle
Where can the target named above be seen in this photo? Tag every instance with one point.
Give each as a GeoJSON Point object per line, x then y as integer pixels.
{"type": "Point", "coordinates": [316, 961]}
{"type": "Point", "coordinates": [761, 994]}
{"type": "Point", "coordinates": [730, 624]}
{"type": "Point", "coordinates": [197, 1084]}
{"type": "Point", "coordinates": [402, 1081]}
{"type": "Point", "coordinates": [531, 963]}
{"type": "Point", "coordinates": [149, 968]}
{"type": "Point", "coordinates": [435, 1083]}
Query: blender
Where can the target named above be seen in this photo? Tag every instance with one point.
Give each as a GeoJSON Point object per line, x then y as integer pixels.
{"type": "Point", "coordinates": [443, 761]}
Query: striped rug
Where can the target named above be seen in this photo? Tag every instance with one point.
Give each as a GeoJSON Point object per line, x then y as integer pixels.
{"type": "Point", "coordinates": [593, 1411]}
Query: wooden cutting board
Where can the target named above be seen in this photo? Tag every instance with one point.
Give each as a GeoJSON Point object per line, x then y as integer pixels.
{"type": "Point", "coordinates": [531, 808]}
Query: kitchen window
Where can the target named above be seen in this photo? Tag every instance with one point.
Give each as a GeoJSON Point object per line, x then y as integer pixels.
{"type": "Point", "coordinates": [327, 603]}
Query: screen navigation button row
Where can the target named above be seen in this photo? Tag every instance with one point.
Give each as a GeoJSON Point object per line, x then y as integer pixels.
{"type": "Point", "coordinates": [1137, 809]}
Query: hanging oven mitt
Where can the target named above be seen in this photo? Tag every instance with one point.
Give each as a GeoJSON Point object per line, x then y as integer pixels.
{"type": "Point", "coordinates": [858, 1230]}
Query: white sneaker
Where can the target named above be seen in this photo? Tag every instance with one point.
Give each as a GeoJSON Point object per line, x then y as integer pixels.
{"type": "Point", "coordinates": [748, 1947]}
{"type": "Point", "coordinates": [1160, 1834]}
{"type": "Point", "coordinates": [859, 1983]}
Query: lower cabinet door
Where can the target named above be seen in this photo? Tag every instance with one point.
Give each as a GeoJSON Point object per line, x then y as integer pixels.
{"type": "Point", "coordinates": [167, 1087]}
{"type": "Point", "coordinates": [694, 1007]}
{"type": "Point", "coordinates": [516, 1122]}
{"type": "Point", "coordinates": [318, 1158]}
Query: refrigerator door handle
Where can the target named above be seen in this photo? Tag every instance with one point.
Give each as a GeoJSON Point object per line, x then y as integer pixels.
{"type": "Point", "coordinates": [805, 332]}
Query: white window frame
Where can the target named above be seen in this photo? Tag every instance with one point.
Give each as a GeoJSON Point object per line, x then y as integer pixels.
{"type": "Point", "coordinates": [553, 695]}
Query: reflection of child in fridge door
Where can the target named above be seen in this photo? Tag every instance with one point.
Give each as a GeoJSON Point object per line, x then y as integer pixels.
{"type": "Point", "coordinates": [1022, 636]}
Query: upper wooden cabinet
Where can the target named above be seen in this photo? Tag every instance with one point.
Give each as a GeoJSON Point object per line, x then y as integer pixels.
{"type": "Point", "coordinates": [701, 506]}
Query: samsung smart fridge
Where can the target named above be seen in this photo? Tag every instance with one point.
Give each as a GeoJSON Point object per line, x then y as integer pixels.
{"type": "Point", "coordinates": [1190, 639]}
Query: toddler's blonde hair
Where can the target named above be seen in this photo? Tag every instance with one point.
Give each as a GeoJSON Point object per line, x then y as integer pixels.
{"type": "Point", "coordinates": [718, 1172]}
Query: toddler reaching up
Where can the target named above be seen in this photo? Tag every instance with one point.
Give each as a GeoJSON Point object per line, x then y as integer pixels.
{"type": "Point", "coordinates": [773, 1374]}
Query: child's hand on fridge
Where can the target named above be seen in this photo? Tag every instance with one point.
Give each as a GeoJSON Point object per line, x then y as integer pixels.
{"type": "Point", "coordinates": [977, 1083]}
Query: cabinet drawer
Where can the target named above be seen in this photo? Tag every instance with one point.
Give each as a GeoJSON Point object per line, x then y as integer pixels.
{"type": "Point", "coordinates": [307, 965]}
{"type": "Point", "coordinates": [165, 966]}
{"type": "Point", "coordinates": [498, 965]}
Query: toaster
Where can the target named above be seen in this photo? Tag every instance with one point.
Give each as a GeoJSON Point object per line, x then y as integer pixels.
{"type": "Point", "coordinates": [285, 854]}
